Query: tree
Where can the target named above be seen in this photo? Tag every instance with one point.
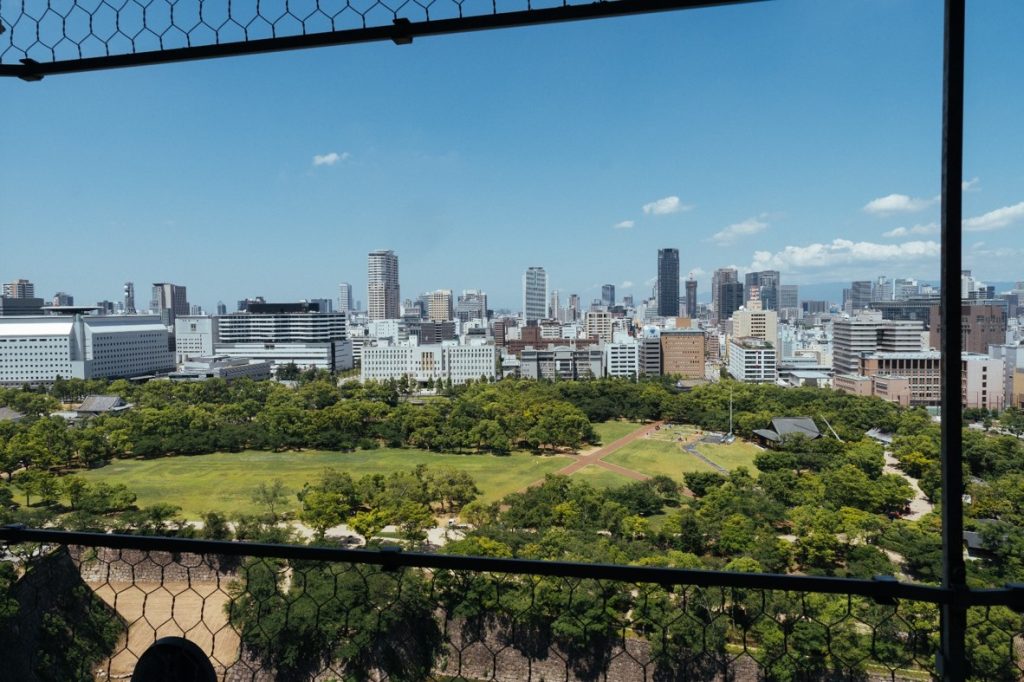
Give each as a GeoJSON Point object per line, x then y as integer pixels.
{"type": "Point", "coordinates": [271, 498]}
{"type": "Point", "coordinates": [41, 484]}
{"type": "Point", "coordinates": [701, 482]}
{"type": "Point", "coordinates": [454, 489]}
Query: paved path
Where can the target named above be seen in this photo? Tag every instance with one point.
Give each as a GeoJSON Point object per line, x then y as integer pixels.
{"type": "Point", "coordinates": [692, 449]}
{"type": "Point", "coordinates": [597, 456]}
{"type": "Point", "coordinates": [919, 505]}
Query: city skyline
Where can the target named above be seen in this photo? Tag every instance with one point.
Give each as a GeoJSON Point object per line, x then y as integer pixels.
{"type": "Point", "coordinates": [760, 163]}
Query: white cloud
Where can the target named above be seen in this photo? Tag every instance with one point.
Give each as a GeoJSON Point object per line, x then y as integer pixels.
{"type": "Point", "coordinates": [970, 185]}
{"type": "Point", "coordinates": [624, 225]}
{"type": "Point", "coordinates": [665, 206]}
{"type": "Point", "coordinates": [929, 228]}
{"type": "Point", "coordinates": [898, 203]}
{"type": "Point", "coordinates": [993, 220]}
{"type": "Point", "coordinates": [742, 229]}
{"type": "Point", "coordinates": [842, 252]}
{"type": "Point", "coordinates": [627, 284]}
{"type": "Point", "coordinates": [330, 158]}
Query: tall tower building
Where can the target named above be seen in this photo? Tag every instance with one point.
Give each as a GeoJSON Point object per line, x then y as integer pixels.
{"type": "Point", "coordinates": [345, 298]}
{"type": "Point", "coordinates": [721, 283]}
{"type": "Point", "coordinates": [555, 306]}
{"type": "Point", "coordinates": [691, 298]}
{"type": "Point", "coordinates": [860, 294]}
{"type": "Point", "coordinates": [19, 288]}
{"type": "Point", "coordinates": [668, 282]}
{"type": "Point", "coordinates": [767, 283]}
{"type": "Point", "coordinates": [608, 295]}
{"type": "Point", "coordinates": [440, 307]}
{"type": "Point", "coordinates": [129, 298]}
{"type": "Point", "coordinates": [384, 302]}
{"type": "Point", "coordinates": [535, 293]}
{"type": "Point", "coordinates": [170, 300]}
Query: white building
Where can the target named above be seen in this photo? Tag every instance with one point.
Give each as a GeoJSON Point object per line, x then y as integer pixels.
{"type": "Point", "coordinates": [752, 360]}
{"type": "Point", "coordinates": [36, 350]}
{"type": "Point", "coordinates": [423, 363]}
{"type": "Point", "coordinates": [598, 325]}
{"type": "Point", "coordinates": [982, 382]}
{"type": "Point", "coordinates": [384, 302]}
{"type": "Point", "coordinates": [286, 333]}
{"type": "Point", "coordinates": [194, 336]}
{"type": "Point", "coordinates": [221, 367]}
{"type": "Point", "coordinates": [622, 359]}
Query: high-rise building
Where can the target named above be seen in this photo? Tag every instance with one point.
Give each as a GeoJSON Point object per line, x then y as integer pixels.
{"type": "Point", "coordinates": [384, 302]}
{"type": "Point", "coordinates": [598, 325]}
{"type": "Point", "coordinates": [903, 289]}
{"type": "Point", "coordinates": [244, 304]}
{"type": "Point", "coordinates": [730, 298]}
{"type": "Point", "coordinates": [721, 277]}
{"type": "Point", "coordinates": [682, 353]}
{"type": "Point", "coordinates": [691, 298]}
{"type": "Point", "coordinates": [19, 288]}
{"type": "Point", "coordinates": [535, 293]}
{"type": "Point", "coordinates": [555, 306]}
{"type": "Point", "coordinates": [169, 300]}
{"type": "Point", "coordinates": [129, 298]}
{"type": "Point", "coordinates": [221, 308]}
{"type": "Point", "coordinates": [754, 322]}
{"type": "Point", "coordinates": [440, 307]}
{"type": "Point", "coordinates": [63, 298]}
{"type": "Point", "coordinates": [789, 296]}
{"type": "Point", "coordinates": [860, 295]}
{"type": "Point", "coordinates": [767, 284]}
{"type": "Point", "coordinates": [882, 290]}
{"type": "Point", "coordinates": [472, 305]}
{"type": "Point", "coordinates": [753, 360]}
{"type": "Point", "coordinates": [284, 333]}
{"type": "Point", "coordinates": [668, 282]}
{"type": "Point", "coordinates": [574, 308]}
{"type": "Point", "coordinates": [983, 324]}
{"type": "Point", "coordinates": [868, 332]}
{"type": "Point", "coordinates": [345, 298]}
{"type": "Point", "coordinates": [608, 295]}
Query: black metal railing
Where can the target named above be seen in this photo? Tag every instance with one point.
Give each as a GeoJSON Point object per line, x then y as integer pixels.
{"type": "Point", "coordinates": [45, 37]}
{"type": "Point", "coordinates": [89, 605]}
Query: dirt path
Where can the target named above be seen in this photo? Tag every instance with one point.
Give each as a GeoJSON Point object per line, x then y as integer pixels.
{"type": "Point", "coordinates": [919, 505]}
{"type": "Point", "coordinates": [597, 456]}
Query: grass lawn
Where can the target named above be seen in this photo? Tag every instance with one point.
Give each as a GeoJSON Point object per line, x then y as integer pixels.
{"type": "Point", "coordinates": [611, 431]}
{"type": "Point", "coordinates": [735, 454]}
{"type": "Point", "coordinates": [674, 432]}
{"type": "Point", "coordinates": [599, 477]}
{"type": "Point", "coordinates": [224, 481]}
{"type": "Point", "coordinates": [655, 457]}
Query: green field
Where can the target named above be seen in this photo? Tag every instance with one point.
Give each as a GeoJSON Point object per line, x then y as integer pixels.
{"type": "Point", "coordinates": [611, 431]}
{"type": "Point", "coordinates": [599, 477]}
{"type": "Point", "coordinates": [224, 481]}
{"type": "Point", "coordinates": [656, 457]}
{"type": "Point", "coordinates": [736, 454]}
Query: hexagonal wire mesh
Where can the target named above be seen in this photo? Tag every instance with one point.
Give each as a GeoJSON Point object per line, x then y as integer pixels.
{"type": "Point", "coordinates": [89, 613]}
{"type": "Point", "coordinates": [67, 30]}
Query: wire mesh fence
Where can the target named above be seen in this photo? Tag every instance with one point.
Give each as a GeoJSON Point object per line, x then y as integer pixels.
{"type": "Point", "coordinates": [82, 613]}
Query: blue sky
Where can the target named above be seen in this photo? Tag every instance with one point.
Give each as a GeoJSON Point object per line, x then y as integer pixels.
{"type": "Point", "coordinates": [747, 136]}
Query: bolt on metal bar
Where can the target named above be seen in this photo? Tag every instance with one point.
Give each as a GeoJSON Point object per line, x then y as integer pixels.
{"type": "Point", "coordinates": [951, 663]}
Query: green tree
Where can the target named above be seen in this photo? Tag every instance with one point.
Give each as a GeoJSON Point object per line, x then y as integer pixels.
{"type": "Point", "coordinates": [272, 498]}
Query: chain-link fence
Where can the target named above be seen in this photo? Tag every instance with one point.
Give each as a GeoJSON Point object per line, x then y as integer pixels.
{"type": "Point", "coordinates": [80, 613]}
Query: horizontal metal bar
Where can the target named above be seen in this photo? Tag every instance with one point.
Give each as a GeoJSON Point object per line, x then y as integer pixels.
{"type": "Point", "coordinates": [400, 32]}
{"type": "Point", "coordinates": [873, 589]}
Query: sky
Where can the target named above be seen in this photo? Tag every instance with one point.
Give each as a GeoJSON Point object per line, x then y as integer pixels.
{"type": "Point", "coordinates": [796, 135]}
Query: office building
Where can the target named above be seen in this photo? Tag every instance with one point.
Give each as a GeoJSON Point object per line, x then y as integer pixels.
{"type": "Point", "coordinates": [345, 303]}
{"type": "Point", "coordinates": [903, 289]}
{"type": "Point", "coordinates": [472, 305]}
{"type": "Point", "coordinates": [284, 333]}
{"type": "Point", "coordinates": [682, 353]}
{"type": "Point", "coordinates": [730, 299]}
{"type": "Point", "coordinates": [169, 301]}
{"type": "Point", "coordinates": [129, 298]}
{"type": "Point", "coordinates": [691, 298]}
{"type": "Point", "coordinates": [668, 282]}
{"type": "Point", "coordinates": [36, 350]}
{"type": "Point", "coordinates": [20, 306]}
{"type": "Point", "coordinates": [222, 309]}
{"type": "Point", "coordinates": [860, 295]}
{"type": "Point", "coordinates": [62, 298]}
{"type": "Point", "coordinates": [194, 336]}
{"type": "Point", "coordinates": [433, 362]}
{"type": "Point", "coordinates": [562, 362]}
{"type": "Point", "coordinates": [608, 295]}
{"type": "Point", "coordinates": [622, 359]}
{"type": "Point", "coordinates": [882, 289]}
{"type": "Point", "coordinates": [649, 356]}
{"type": "Point", "coordinates": [752, 360]}
{"type": "Point", "coordinates": [813, 307]}
{"type": "Point", "coordinates": [440, 306]}
{"type": "Point", "coordinates": [915, 309]}
{"type": "Point", "coordinates": [19, 288]}
{"type": "Point", "coordinates": [535, 294]}
{"type": "Point", "coordinates": [867, 332]}
{"type": "Point", "coordinates": [1012, 356]}
{"type": "Point", "coordinates": [753, 321]}
{"type": "Point", "coordinates": [981, 385]}
{"type": "Point", "coordinates": [983, 324]}
{"type": "Point", "coordinates": [766, 282]}
{"type": "Point", "coordinates": [789, 296]}
{"type": "Point", "coordinates": [384, 298]}
{"type": "Point", "coordinates": [221, 367]}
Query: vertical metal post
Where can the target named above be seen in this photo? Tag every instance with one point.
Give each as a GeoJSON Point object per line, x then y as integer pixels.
{"type": "Point", "coordinates": [951, 656]}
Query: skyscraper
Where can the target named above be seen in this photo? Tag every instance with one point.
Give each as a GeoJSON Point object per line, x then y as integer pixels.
{"type": "Point", "coordinates": [608, 295]}
{"type": "Point", "coordinates": [789, 296]}
{"type": "Point", "coordinates": [19, 288]}
{"type": "Point", "coordinates": [384, 301]}
{"type": "Point", "coordinates": [767, 283]}
{"type": "Point", "coordinates": [860, 294]}
{"type": "Point", "coordinates": [535, 293]}
{"type": "Point", "coordinates": [691, 298]}
{"type": "Point", "coordinates": [129, 298]}
{"type": "Point", "coordinates": [440, 306]}
{"type": "Point", "coordinates": [169, 300]}
{"type": "Point", "coordinates": [730, 298]}
{"type": "Point", "coordinates": [345, 298]}
{"type": "Point", "coordinates": [720, 278]}
{"type": "Point", "coordinates": [668, 282]}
